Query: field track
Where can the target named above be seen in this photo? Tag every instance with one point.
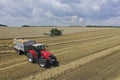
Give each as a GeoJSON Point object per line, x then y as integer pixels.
{"type": "Point", "coordinates": [89, 55]}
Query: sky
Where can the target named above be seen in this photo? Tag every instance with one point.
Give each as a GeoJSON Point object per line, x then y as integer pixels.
{"type": "Point", "coordinates": [60, 12]}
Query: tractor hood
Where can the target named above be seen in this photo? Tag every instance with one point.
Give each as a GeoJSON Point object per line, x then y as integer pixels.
{"type": "Point", "coordinates": [45, 54]}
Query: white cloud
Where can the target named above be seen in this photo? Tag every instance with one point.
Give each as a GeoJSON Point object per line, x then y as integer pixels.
{"type": "Point", "coordinates": [81, 20]}
{"type": "Point", "coordinates": [112, 21]}
{"type": "Point", "coordinates": [115, 0]}
{"type": "Point", "coordinates": [62, 12]}
{"type": "Point", "coordinates": [49, 14]}
{"type": "Point", "coordinates": [95, 7]}
{"type": "Point", "coordinates": [98, 4]}
{"type": "Point", "coordinates": [56, 4]}
{"type": "Point", "coordinates": [74, 19]}
{"type": "Point", "coordinates": [94, 4]}
{"type": "Point", "coordinates": [89, 22]}
{"type": "Point", "coordinates": [37, 11]}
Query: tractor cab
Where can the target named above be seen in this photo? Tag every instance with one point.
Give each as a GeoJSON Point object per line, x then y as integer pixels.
{"type": "Point", "coordinates": [38, 47]}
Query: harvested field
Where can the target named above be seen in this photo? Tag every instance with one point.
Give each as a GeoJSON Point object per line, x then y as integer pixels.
{"type": "Point", "coordinates": [38, 31]}
{"type": "Point", "coordinates": [91, 54]}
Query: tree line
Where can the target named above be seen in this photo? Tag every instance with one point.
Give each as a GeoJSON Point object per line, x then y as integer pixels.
{"type": "Point", "coordinates": [3, 25]}
{"type": "Point", "coordinates": [102, 26]}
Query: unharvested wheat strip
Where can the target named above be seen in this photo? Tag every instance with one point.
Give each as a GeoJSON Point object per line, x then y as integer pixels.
{"type": "Point", "coordinates": [13, 66]}
{"type": "Point", "coordinates": [7, 51]}
{"type": "Point", "coordinates": [48, 74]}
{"type": "Point", "coordinates": [8, 45]}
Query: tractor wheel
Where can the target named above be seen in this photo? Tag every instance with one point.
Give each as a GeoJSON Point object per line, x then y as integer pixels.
{"type": "Point", "coordinates": [55, 63]}
{"type": "Point", "coordinates": [30, 57]}
{"type": "Point", "coordinates": [43, 63]}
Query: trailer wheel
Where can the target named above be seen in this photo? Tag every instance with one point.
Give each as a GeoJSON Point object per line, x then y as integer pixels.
{"type": "Point", "coordinates": [30, 57]}
{"type": "Point", "coordinates": [42, 63]}
{"type": "Point", "coordinates": [18, 52]}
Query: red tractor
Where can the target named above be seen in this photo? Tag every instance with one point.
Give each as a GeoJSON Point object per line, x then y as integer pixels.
{"type": "Point", "coordinates": [36, 53]}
